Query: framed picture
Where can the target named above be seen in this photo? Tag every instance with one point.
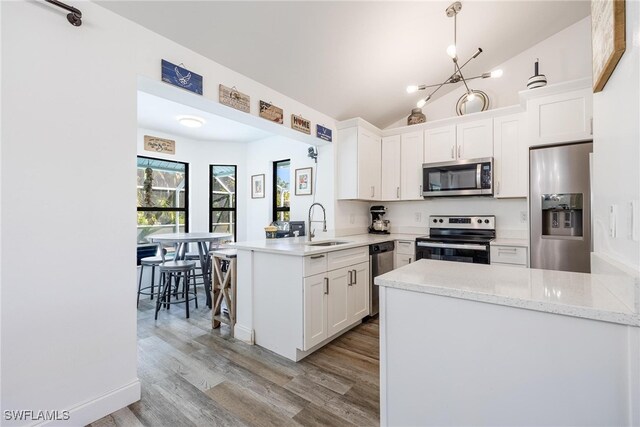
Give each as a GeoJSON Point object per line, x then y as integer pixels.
{"type": "Point", "coordinates": [304, 182]}
{"type": "Point", "coordinates": [257, 186]}
{"type": "Point", "coordinates": [607, 39]}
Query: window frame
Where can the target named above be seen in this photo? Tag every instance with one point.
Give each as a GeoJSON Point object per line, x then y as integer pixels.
{"type": "Point", "coordinates": [186, 193]}
{"type": "Point", "coordinates": [234, 209]}
{"type": "Point", "coordinates": [274, 190]}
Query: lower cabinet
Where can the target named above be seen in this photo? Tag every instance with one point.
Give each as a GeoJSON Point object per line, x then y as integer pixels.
{"type": "Point", "coordinates": [514, 256]}
{"type": "Point", "coordinates": [334, 300]}
{"type": "Point", "coordinates": [405, 253]}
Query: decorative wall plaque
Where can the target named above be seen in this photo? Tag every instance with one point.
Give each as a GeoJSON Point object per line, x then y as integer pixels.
{"type": "Point", "coordinates": [271, 112]}
{"type": "Point", "coordinates": [159, 145]}
{"type": "Point", "coordinates": [607, 39]}
{"type": "Point", "coordinates": [300, 124]}
{"type": "Point", "coordinates": [230, 97]}
{"type": "Point", "coordinates": [181, 77]}
{"type": "Point", "coordinates": [324, 133]}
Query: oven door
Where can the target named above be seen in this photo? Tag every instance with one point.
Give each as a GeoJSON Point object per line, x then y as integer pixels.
{"type": "Point", "coordinates": [462, 252]}
{"type": "Point", "coordinates": [458, 178]}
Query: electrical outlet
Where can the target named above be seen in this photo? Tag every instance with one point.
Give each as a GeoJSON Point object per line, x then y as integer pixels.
{"type": "Point", "coordinates": [418, 217]}
{"type": "Point", "coordinates": [523, 216]}
{"type": "Point", "coordinates": [352, 219]}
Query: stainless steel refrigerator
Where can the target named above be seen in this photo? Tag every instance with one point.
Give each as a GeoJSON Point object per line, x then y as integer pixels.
{"type": "Point", "coordinates": [560, 207]}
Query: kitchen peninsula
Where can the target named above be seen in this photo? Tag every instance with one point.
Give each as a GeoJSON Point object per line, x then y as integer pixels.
{"type": "Point", "coordinates": [294, 296]}
{"type": "Point", "coordinates": [472, 344]}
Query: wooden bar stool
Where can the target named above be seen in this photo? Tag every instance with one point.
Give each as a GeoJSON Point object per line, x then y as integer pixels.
{"type": "Point", "coordinates": [223, 286]}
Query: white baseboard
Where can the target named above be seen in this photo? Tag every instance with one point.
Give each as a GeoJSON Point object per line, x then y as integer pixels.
{"type": "Point", "coordinates": [88, 412]}
{"type": "Point", "coordinates": [243, 333]}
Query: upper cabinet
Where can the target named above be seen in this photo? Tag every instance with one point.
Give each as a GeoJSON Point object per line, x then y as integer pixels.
{"type": "Point", "coordinates": [561, 117]}
{"type": "Point", "coordinates": [470, 140]}
{"type": "Point", "coordinates": [411, 155]}
{"type": "Point", "coordinates": [359, 163]}
{"type": "Point", "coordinates": [510, 157]}
{"type": "Point", "coordinates": [391, 167]}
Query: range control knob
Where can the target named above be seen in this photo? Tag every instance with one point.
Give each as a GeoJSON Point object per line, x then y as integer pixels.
{"type": "Point", "coordinates": [440, 220]}
{"type": "Point", "coordinates": [486, 221]}
{"type": "Point", "coordinates": [435, 220]}
{"type": "Point", "coordinates": [479, 221]}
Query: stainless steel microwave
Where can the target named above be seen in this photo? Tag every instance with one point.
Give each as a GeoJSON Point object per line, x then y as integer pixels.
{"type": "Point", "coordinates": [472, 177]}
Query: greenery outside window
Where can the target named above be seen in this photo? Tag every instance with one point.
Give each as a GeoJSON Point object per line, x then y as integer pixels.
{"type": "Point", "coordinates": [163, 193]}
{"type": "Point", "coordinates": [223, 214]}
{"type": "Point", "coordinates": [281, 190]}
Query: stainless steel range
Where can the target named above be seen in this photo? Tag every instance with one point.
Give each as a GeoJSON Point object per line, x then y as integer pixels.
{"type": "Point", "coordinates": [458, 238]}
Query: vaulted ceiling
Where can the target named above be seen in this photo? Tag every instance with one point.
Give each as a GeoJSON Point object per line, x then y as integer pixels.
{"type": "Point", "coordinates": [349, 59]}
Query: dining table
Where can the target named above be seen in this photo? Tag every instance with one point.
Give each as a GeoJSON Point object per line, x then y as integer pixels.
{"type": "Point", "coordinates": [203, 241]}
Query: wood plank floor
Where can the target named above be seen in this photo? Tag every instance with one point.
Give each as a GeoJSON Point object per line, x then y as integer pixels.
{"type": "Point", "coordinates": [194, 376]}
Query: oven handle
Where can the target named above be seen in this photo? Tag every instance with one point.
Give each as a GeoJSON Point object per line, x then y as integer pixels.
{"type": "Point", "coordinates": [452, 246]}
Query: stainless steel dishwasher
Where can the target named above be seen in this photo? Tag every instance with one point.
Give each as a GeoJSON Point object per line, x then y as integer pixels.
{"type": "Point", "coordinates": [381, 261]}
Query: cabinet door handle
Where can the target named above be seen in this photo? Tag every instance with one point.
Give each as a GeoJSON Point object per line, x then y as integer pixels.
{"type": "Point", "coordinates": [350, 282]}
{"type": "Point", "coordinates": [373, 191]}
{"type": "Point", "coordinates": [420, 191]}
{"type": "Point", "coordinates": [355, 277]}
{"type": "Point", "coordinates": [452, 156]}
{"type": "Point", "coordinates": [509, 250]}
{"type": "Point", "coordinates": [397, 192]}
{"type": "Point", "coordinates": [459, 151]}
{"type": "Point", "coordinates": [317, 256]}
{"type": "Point", "coordinates": [326, 286]}
{"type": "Point", "coordinates": [409, 260]}
{"type": "Point", "coordinates": [498, 187]}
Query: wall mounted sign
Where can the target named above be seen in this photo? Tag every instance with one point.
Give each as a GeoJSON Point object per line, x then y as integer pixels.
{"type": "Point", "coordinates": [181, 77]}
{"type": "Point", "coordinates": [304, 182]}
{"type": "Point", "coordinates": [271, 112]}
{"type": "Point", "coordinates": [159, 145]}
{"type": "Point", "coordinates": [324, 133]}
{"type": "Point", "coordinates": [230, 97]}
{"type": "Point", "coordinates": [607, 39]}
{"type": "Point", "coordinates": [300, 124]}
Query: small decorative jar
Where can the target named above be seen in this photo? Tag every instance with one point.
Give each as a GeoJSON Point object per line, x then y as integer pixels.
{"type": "Point", "coordinates": [416, 116]}
{"type": "Point", "coordinates": [271, 231]}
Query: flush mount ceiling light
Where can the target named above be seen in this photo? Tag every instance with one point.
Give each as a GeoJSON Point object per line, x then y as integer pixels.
{"type": "Point", "coordinates": [191, 121]}
{"type": "Point", "coordinates": [452, 12]}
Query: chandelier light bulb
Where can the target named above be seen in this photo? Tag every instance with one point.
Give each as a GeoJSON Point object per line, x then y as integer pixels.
{"type": "Point", "coordinates": [421, 103]}
{"type": "Point", "coordinates": [496, 74]}
{"type": "Point", "coordinates": [412, 89]}
{"type": "Point", "coordinates": [451, 51]}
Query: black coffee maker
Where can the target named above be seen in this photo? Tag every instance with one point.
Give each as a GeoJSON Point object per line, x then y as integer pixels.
{"type": "Point", "coordinates": [379, 225]}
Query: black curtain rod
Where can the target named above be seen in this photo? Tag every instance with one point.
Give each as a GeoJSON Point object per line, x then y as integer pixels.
{"type": "Point", "coordinates": [74, 17]}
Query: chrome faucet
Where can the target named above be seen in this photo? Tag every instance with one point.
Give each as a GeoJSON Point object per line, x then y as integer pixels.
{"type": "Point", "coordinates": [324, 220]}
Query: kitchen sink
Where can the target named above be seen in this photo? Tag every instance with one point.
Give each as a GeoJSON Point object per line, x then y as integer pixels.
{"type": "Point", "coordinates": [327, 243]}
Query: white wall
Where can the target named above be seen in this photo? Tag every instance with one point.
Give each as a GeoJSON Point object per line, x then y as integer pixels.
{"type": "Point", "coordinates": [616, 147]}
{"type": "Point", "coordinates": [199, 155]}
{"type": "Point", "coordinates": [69, 112]}
{"type": "Point", "coordinates": [563, 57]}
{"type": "Point", "coordinates": [507, 212]}
{"type": "Point", "coordinates": [68, 304]}
{"type": "Point", "coordinates": [260, 158]}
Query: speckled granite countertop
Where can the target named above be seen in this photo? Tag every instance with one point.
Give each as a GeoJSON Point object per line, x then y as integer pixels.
{"type": "Point", "coordinates": [589, 296]}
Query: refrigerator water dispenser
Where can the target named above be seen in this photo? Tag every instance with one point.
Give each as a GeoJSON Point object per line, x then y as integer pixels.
{"type": "Point", "coordinates": [562, 215]}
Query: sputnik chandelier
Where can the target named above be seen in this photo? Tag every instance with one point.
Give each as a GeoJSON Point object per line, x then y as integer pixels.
{"type": "Point", "coordinates": [452, 12]}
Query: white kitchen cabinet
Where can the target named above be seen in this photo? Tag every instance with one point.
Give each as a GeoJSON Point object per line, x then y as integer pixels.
{"type": "Point", "coordinates": [405, 253]}
{"type": "Point", "coordinates": [471, 140]}
{"type": "Point", "coordinates": [338, 301]}
{"type": "Point", "coordinates": [411, 159]}
{"type": "Point", "coordinates": [358, 294]}
{"type": "Point", "coordinates": [439, 144]}
{"type": "Point", "coordinates": [515, 256]}
{"type": "Point", "coordinates": [474, 140]}
{"type": "Point", "coordinates": [390, 173]}
{"type": "Point", "coordinates": [510, 157]}
{"type": "Point", "coordinates": [562, 117]}
{"type": "Point", "coordinates": [315, 309]}
{"type": "Point", "coordinates": [358, 164]}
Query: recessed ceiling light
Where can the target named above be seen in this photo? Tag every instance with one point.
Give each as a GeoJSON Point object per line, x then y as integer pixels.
{"type": "Point", "coordinates": [190, 121]}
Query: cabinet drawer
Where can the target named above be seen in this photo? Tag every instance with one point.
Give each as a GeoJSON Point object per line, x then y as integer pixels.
{"type": "Point", "coordinates": [315, 264]}
{"type": "Point", "coordinates": [347, 257]}
{"type": "Point", "coordinates": [403, 259]}
{"type": "Point", "coordinates": [406, 247]}
{"type": "Point", "coordinates": [509, 255]}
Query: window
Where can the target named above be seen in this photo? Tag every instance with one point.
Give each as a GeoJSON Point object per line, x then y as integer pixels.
{"type": "Point", "coordinates": [281, 189]}
{"type": "Point", "coordinates": [222, 199]}
{"type": "Point", "coordinates": [163, 192]}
